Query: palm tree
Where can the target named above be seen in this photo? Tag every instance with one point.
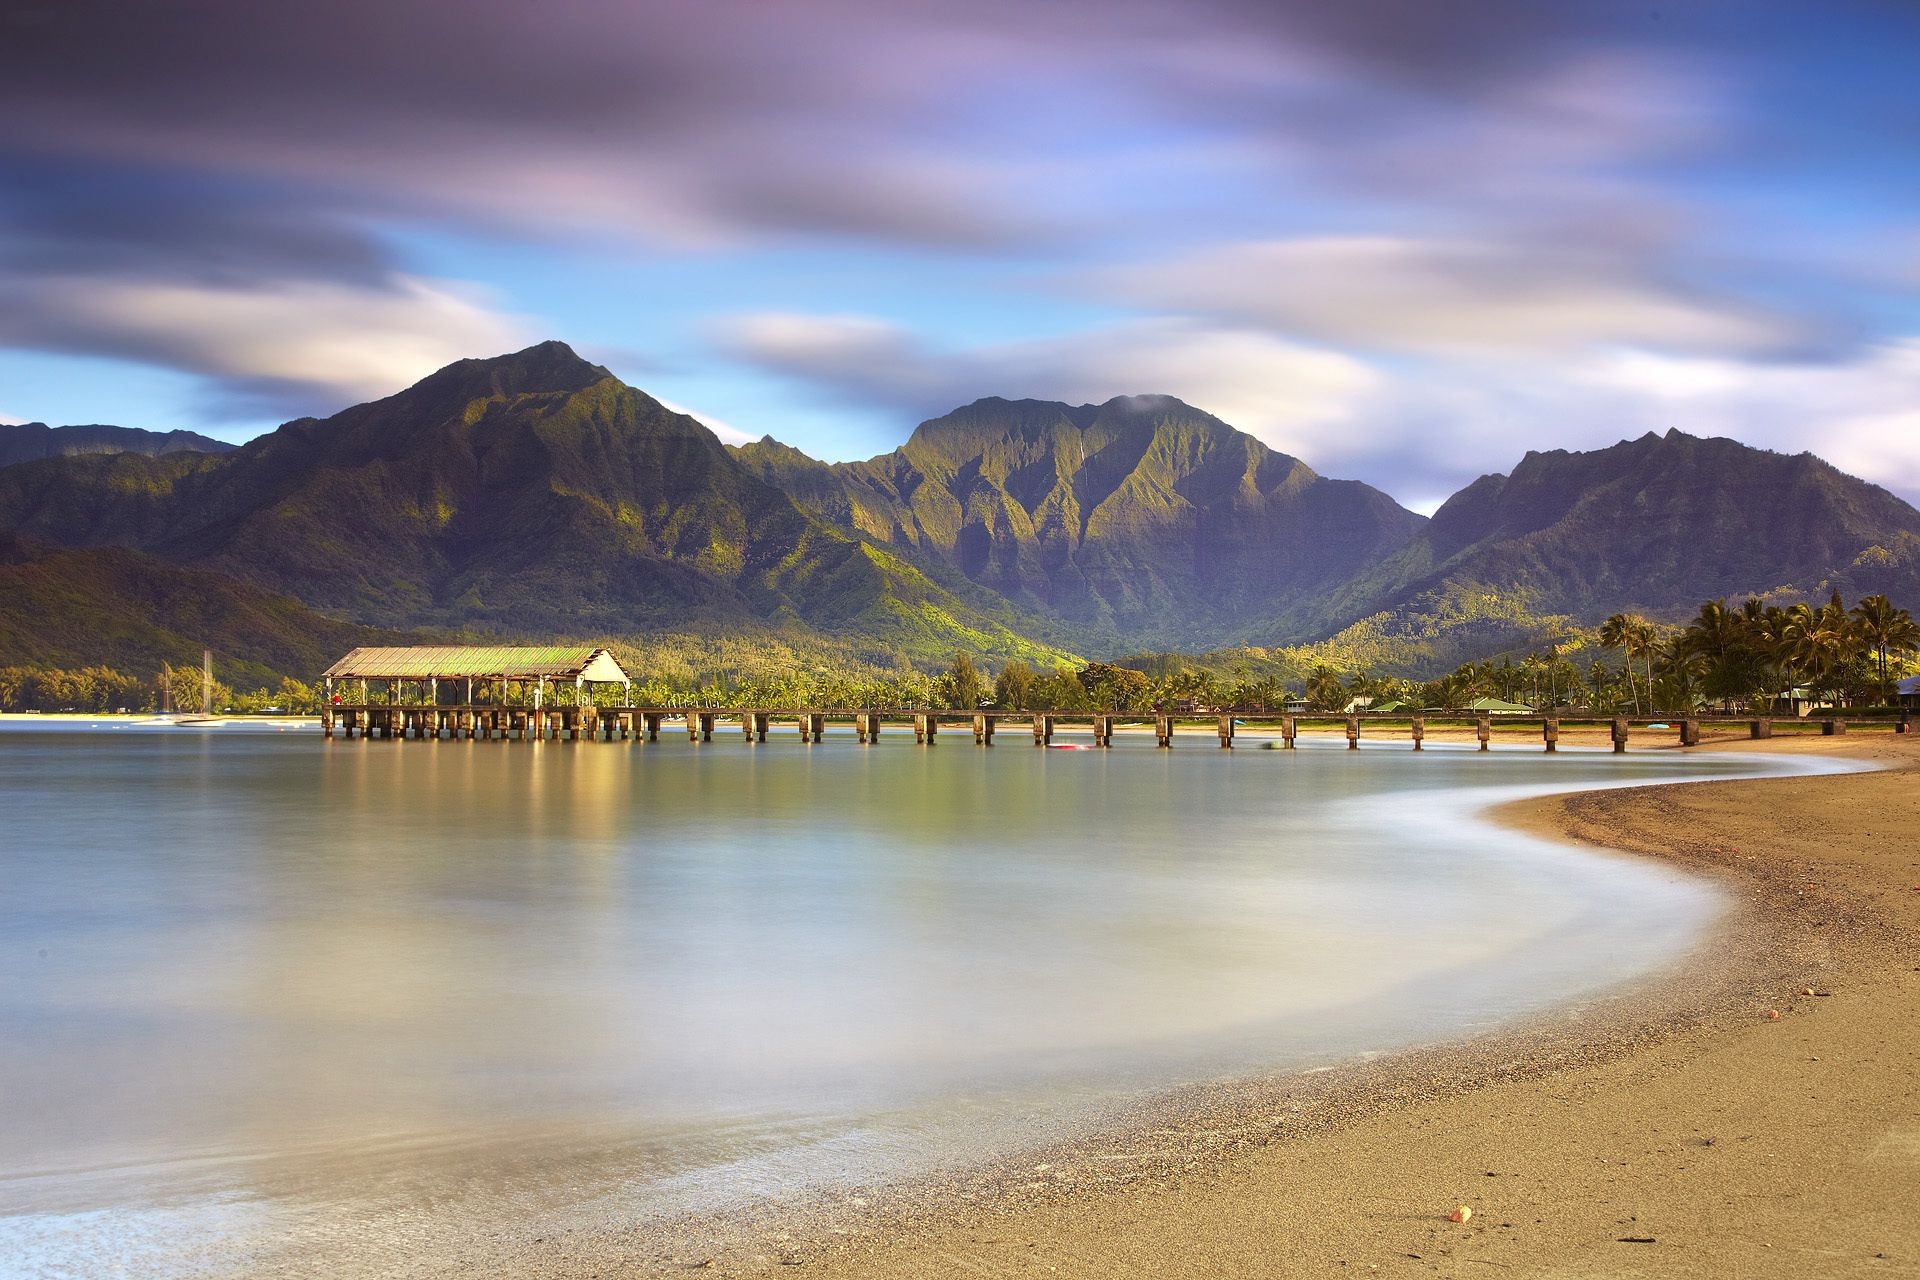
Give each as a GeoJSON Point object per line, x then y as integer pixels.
{"type": "Point", "coordinates": [1635, 636]}
{"type": "Point", "coordinates": [1885, 630]}
{"type": "Point", "coordinates": [1718, 636]}
{"type": "Point", "coordinates": [1818, 642]}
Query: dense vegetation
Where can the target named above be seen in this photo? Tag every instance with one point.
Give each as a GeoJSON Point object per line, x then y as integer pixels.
{"type": "Point", "coordinates": [1753, 657]}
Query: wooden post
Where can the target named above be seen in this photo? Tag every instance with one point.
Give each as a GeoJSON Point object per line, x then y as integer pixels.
{"type": "Point", "coordinates": [1550, 733]}
{"type": "Point", "coordinates": [813, 727]}
{"type": "Point", "coordinates": [652, 719]}
{"type": "Point", "coordinates": [1289, 730]}
{"type": "Point", "coordinates": [1830, 727]}
{"type": "Point", "coordinates": [1620, 729]}
{"type": "Point", "coordinates": [1163, 730]}
{"type": "Point", "coordinates": [1760, 728]}
{"type": "Point", "coordinates": [1103, 731]}
{"type": "Point", "coordinates": [746, 726]}
{"type": "Point", "coordinates": [1483, 729]}
{"type": "Point", "coordinates": [1689, 732]}
{"type": "Point", "coordinates": [1419, 733]}
{"type": "Point", "coordinates": [1353, 733]}
{"type": "Point", "coordinates": [982, 729]}
{"type": "Point", "coordinates": [1226, 731]}
{"type": "Point", "coordinates": [1042, 729]}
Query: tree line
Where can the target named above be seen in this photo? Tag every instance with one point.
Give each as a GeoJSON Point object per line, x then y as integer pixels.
{"type": "Point", "coordinates": [100, 690]}
{"type": "Point", "coordinates": [1748, 657]}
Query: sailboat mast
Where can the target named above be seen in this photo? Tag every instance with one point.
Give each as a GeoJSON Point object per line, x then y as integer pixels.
{"type": "Point", "coordinates": [206, 682]}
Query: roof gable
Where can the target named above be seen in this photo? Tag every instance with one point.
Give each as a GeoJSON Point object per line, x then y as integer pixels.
{"type": "Point", "coordinates": [516, 662]}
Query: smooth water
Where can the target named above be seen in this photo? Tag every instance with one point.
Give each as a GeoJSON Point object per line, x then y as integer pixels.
{"type": "Point", "coordinates": [259, 987]}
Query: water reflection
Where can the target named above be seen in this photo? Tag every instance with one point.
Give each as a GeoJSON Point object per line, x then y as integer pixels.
{"type": "Point", "coordinates": [322, 973]}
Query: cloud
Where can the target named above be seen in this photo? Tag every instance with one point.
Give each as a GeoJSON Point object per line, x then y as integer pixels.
{"type": "Point", "coordinates": [1861, 414]}
{"type": "Point", "coordinates": [1433, 426]}
{"type": "Point", "coordinates": [292, 347]}
{"type": "Point", "coordinates": [691, 122]}
{"type": "Point", "coordinates": [1420, 427]}
{"type": "Point", "coordinates": [7, 420]}
{"type": "Point", "coordinates": [1280, 391]}
{"type": "Point", "coordinates": [1446, 295]}
{"type": "Point", "coordinates": [728, 433]}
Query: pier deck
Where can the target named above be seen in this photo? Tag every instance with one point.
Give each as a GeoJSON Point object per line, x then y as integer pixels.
{"type": "Point", "coordinates": [699, 724]}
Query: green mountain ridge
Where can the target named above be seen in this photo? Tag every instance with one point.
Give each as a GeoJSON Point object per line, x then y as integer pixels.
{"type": "Point", "coordinates": [529, 494]}
{"type": "Point", "coordinates": [115, 607]}
{"type": "Point", "coordinates": [1653, 525]}
{"type": "Point", "coordinates": [1138, 522]}
{"type": "Point", "coordinates": [27, 441]}
{"type": "Point", "coordinates": [535, 495]}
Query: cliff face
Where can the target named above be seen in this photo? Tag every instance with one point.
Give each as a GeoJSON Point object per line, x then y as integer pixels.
{"type": "Point", "coordinates": [533, 493]}
{"type": "Point", "coordinates": [1657, 525]}
{"type": "Point", "coordinates": [1142, 520]}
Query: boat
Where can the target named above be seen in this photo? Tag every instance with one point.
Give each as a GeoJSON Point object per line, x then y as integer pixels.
{"type": "Point", "coordinates": [206, 716]}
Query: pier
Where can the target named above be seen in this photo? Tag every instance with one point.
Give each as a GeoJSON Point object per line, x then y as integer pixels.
{"type": "Point", "coordinates": [554, 693]}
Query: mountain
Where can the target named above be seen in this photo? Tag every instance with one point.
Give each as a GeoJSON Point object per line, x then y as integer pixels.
{"type": "Point", "coordinates": [535, 495]}
{"type": "Point", "coordinates": [110, 606]}
{"type": "Point", "coordinates": [1139, 522]}
{"type": "Point", "coordinates": [530, 494]}
{"type": "Point", "coordinates": [28, 441]}
{"type": "Point", "coordinates": [1653, 525]}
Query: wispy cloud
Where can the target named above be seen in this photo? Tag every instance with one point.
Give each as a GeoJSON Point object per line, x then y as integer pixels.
{"type": "Point", "coordinates": [1395, 236]}
{"type": "Point", "coordinates": [279, 347]}
{"type": "Point", "coordinates": [1449, 295]}
{"type": "Point", "coordinates": [1283, 392]}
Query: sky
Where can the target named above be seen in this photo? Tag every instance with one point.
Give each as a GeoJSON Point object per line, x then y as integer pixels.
{"type": "Point", "coordinates": [1403, 240]}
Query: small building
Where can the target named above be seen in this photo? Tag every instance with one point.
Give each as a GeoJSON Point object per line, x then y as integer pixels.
{"type": "Point", "coordinates": [1907, 692]}
{"type": "Point", "coordinates": [493, 670]}
{"type": "Point", "coordinates": [1496, 706]}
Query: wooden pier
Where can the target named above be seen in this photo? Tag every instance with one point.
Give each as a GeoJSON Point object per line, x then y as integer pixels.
{"type": "Point", "coordinates": [622, 723]}
{"type": "Point", "coordinates": [556, 693]}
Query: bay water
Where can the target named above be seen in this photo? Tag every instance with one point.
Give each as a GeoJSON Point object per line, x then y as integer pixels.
{"type": "Point", "coordinates": [260, 991]}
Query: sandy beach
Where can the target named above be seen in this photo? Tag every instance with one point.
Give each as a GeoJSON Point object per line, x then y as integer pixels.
{"type": "Point", "coordinates": [1678, 1129]}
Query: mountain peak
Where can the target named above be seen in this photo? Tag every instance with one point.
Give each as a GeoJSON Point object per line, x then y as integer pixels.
{"type": "Point", "coordinates": [550, 366]}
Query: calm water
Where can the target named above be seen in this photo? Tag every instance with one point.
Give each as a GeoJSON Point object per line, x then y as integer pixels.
{"type": "Point", "coordinates": [257, 988]}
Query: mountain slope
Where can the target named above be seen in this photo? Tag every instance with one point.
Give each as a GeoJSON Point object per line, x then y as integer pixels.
{"type": "Point", "coordinates": [29, 441]}
{"type": "Point", "coordinates": [1655, 525]}
{"type": "Point", "coordinates": [110, 606]}
{"type": "Point", "coordinates": [534, 493]}
{"type": "Point", "coordinates": [1141, 521]}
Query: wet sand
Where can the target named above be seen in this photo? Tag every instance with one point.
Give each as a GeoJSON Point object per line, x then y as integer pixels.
{"type": "Point", "coordinates": [1672, 1130]}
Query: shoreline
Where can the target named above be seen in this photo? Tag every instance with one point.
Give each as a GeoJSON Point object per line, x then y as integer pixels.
{"type": "Point", "coordinates": [1291, 1175]}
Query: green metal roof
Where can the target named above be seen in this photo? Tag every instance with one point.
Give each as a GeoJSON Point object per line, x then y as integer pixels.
{"type": "Point", "coordinates": [443, 662]}
{"type": "Point", "coordinates": [1495, 704]}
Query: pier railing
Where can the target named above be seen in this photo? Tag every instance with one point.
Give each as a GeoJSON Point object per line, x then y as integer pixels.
{"type": "Point", "coordinates": [632, 724]}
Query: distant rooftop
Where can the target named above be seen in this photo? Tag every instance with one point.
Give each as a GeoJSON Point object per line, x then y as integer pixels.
{"type": "Point", "coordinates": [457, 661]}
